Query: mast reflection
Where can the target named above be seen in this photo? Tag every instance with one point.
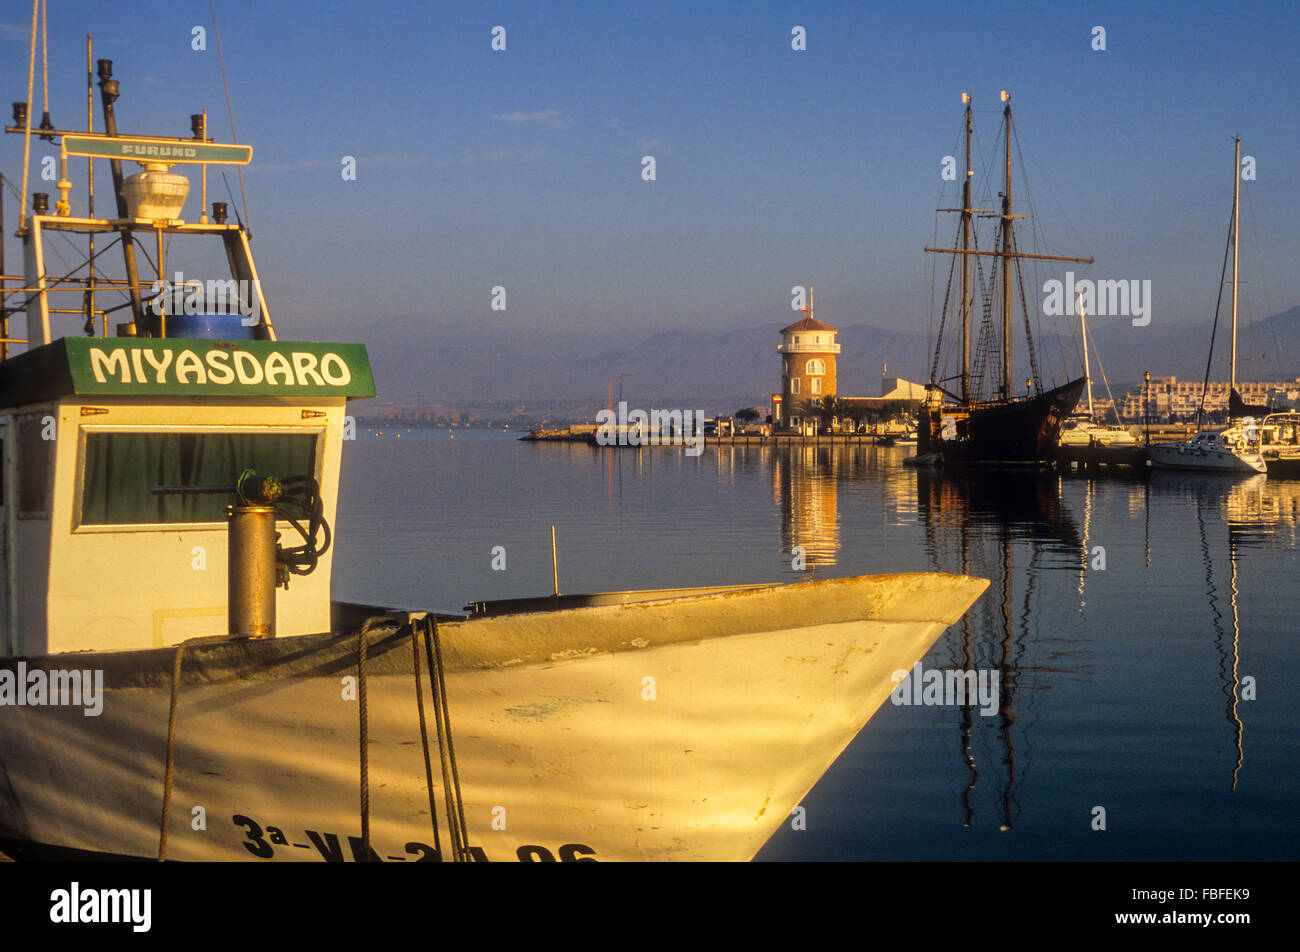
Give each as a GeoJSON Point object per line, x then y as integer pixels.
{"type": "Point", "coordinates": [977, 524]}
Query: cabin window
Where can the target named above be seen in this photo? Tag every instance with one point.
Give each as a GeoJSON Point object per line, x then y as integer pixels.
{"type": "Point", "coordinates": [35, 456]}
{"type": "Point", "coordinates": [121, 470]}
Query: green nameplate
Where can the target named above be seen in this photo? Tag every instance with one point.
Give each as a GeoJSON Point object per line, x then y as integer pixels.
{"type": "Point", "coordinates": [218, 368]}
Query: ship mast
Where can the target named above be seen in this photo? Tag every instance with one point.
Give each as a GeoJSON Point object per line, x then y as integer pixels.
{"type": "Point", "coordinates": [1236, 195]}
{"type": "Point", "coordinates": [1087, 371]}
{"type": "Point", "coordinates": [965, 258]}
{"type": "Point", "coordinates": [1007, 251]}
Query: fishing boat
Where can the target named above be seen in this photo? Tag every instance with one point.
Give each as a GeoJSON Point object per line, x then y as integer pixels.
{"type": "Point", "coordinates": [176, 682]}
{"type": "Point", "coordinates": [1237, 448]}
{"type": "Point", "coordinates": [986, 421]}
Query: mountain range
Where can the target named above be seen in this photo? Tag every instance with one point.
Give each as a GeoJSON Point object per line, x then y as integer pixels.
{"type": "Point", "coordinates": [471, 362]}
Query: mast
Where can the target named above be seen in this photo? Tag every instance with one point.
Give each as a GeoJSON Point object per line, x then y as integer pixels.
{"type": "Point", "coordinates": [90, 194]}
{"type": "Point", "coordinates": [108, 90]}
{"type": "Point", "coordinates": [1007, 253]}
{"type": "Point", "coordinates": [1006, 256]}
{"type": "Point", "coordinates": [1236, 194]}
{"type": "Point", "coordinates": [1087, 370]}
{"type": "Point", "coordinates": [965, 257]}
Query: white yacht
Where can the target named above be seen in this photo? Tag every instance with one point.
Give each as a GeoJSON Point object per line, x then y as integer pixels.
{"type": "Point", "coordinates": [1236, 449]}
{"type": "Point", "coordinates": [1083, 429]}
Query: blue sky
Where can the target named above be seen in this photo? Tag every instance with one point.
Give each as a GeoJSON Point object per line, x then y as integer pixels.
{"type": "Point", "coordinates": [774, 167]}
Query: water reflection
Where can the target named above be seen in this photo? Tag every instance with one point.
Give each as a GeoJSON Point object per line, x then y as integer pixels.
{"type": "Point", "coordinates": [1259, 513]}
{"type": "Point", "coordinates": [805, 488]}
{"type": "Point", "coordinates": [1121, 684]}
{"type": "Point", "coordinates": [983, 524]}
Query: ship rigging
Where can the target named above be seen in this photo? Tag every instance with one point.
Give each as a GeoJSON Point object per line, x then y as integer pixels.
{"type": "Point", "coordinates": [986, 421]}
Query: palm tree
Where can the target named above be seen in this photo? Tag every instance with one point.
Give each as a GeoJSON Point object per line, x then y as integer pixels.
{"type": "Point", "coordinates": [831, 408]}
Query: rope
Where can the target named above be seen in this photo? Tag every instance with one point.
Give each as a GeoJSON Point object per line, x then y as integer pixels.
{"type": "Point", "coordinates": [1029, 334]}
{"type": "Point", "coordinates": [424, 739]}
{"type": "Point", "coordinates": [303, 494]}
{"type": "Point", "coordinates": [229, 108]}
{"type": "Point", "coordinates": [169, 769]}
{"type": "Point", "coordinates": [1214, 331]}
{"type": "Point", "coordinates": [456, 825]}
{"type": "Point", "coordinates": [362, 643]}
{"type": "Point", "coordinates": [943, 319]}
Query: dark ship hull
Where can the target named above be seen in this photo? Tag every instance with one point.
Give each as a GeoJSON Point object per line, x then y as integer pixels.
{"type": "Point", "coordinates": [1020, 432]}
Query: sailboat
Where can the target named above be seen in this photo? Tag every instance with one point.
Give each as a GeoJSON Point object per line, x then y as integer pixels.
{"type": "Point", "coordinates": [1237, 448]}
{"type": "Point", "coordinates": [160, 701]}
{"type": "Point", "coordinates": [987, 422]}
{"type": "Point", "coordinates": [1083, 429]}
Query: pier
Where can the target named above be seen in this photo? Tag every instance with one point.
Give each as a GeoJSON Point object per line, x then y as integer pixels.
{"type": "Point", "coordinates": [1090, 459]}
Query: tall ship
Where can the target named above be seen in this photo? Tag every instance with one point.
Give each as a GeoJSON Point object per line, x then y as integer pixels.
{"type": "Point", "coordinates": [978, 416]}
{"type": "Point", "coordinates": [176, 680]}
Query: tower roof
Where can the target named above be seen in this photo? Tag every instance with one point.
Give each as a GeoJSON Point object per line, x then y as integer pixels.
{"type": "Point", "coordinates": [808, 323]}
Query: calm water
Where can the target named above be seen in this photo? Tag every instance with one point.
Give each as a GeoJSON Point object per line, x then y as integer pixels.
{"type": "Point", "coordinates": [1117, 683]}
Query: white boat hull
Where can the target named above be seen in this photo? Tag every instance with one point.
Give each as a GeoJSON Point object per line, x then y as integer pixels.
{"type": "Point", "coordinates": [1191, 456]}
{"type": "Point", "coordinates": [677, 730]}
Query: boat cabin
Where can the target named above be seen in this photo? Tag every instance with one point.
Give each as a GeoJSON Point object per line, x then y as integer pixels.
{"type": "Point", "coordinates": [93, 553]}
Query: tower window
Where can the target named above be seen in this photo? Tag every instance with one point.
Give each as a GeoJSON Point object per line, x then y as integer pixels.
{"type": "Point", "coordinates": [794, 385]}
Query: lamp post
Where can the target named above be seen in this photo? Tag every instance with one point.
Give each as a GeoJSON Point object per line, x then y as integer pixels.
{"type": "Point", "coordinates": [1146, 404]}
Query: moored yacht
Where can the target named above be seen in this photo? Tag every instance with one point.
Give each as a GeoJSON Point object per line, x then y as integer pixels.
{"type": "Point", "coordinates": [1236, 449]}
{"type": "Point", "coordinates": [1280, 443]}
{"type": "Point", "coordinates": [1232, 450]}
{"type": "Point", "coordinates": [1083, 429]}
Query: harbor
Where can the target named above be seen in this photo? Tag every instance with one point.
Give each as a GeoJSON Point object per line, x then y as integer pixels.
{"type": "Point", "coordinates": [678, 445]}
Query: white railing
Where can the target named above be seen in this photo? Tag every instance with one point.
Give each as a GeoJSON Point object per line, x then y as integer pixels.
{"type": "Point", "coordinates": [808, 348]}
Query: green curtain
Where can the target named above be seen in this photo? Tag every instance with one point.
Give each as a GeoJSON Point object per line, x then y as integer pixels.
{"type": "Point", "coordinates": [122, 469]}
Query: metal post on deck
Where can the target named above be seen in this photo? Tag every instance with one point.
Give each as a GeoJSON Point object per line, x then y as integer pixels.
{"type": "Point", "coordinates": [252, 571]}
{"type": "Point", "coordinates": [555, 565]}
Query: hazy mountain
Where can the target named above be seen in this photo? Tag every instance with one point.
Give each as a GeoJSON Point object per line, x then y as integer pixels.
{"type": "Point", "coordinates": [471, 361]}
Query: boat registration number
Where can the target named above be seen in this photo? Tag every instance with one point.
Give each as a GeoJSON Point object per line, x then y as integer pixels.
{"type": "Point", "coordinates": [265, 842]}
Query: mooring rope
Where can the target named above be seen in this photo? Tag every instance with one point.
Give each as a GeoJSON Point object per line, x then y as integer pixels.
{"type": "Point", "coordinates": [457, 828]}
{"type": "Point", "coordinates": [424, 738]}
{"type": "Point", "coordinates": [170, 763]}
{"type": "Point", "coordinates": [364, 736]}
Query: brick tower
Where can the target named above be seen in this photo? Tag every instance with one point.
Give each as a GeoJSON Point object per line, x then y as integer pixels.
{"type": "Point", "coordinates": [808, 352]}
